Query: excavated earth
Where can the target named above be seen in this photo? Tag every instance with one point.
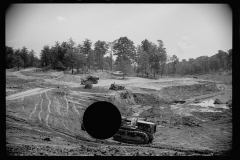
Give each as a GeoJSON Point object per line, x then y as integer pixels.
{"type": "Point", "coordinates": [44, 119]}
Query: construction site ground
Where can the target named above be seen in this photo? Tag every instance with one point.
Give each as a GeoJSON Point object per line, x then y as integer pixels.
{"type": "Point", "coordinates": [44, 110]}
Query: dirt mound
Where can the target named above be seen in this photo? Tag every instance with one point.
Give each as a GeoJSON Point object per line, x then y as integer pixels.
{"type": "Point", "coordinates": [149, 99]}
{"type": "Point", "coordinates": [127, 96]}
{"type": "Point", "coordinates": [189, 121]}
{"type": "Point", "coordinates": [123, 100]}
{"type": "Point", "coordinates": [70, 78]}
{"type": "Point", "coordinates": [103, 75]}
{"type": "Point", "coordinates": [187, 91]}
{"type": "Point", "coordinates": [44, 74]}
{"type": "Point", "coordinates": [77, 78]}
{"type": "Point", "coordinates": [57, 110]}
{"type": "Point", "coordinates": [19, 85]}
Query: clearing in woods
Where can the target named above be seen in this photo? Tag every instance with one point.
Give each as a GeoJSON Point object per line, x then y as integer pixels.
{"type": "Point", "coordinates": [44, 109]}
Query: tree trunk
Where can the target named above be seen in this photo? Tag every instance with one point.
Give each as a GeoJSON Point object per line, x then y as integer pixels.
{"type": "Point", "coordinates": [168, 69]}
{"type": "Point", "coordinates": [72, 69]}
{"type": "Point", "coordinates": [18, 66]}
{"type": "Point", "coordinates": [145, 70]}
{"type": "Point", "coordinates": [162, 69]}
{"type": "Point", "coordinates": [154, 72]}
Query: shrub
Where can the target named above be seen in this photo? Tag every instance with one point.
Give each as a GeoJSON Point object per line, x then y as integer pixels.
{"type": "Point", "coordinates": [60, 66]}
{"type": "Point", "coordinates": [88, 85]}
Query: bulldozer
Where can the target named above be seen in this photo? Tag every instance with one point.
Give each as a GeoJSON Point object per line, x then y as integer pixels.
{"type": "Point", "coordinates": [135, 131]}
{"type": "Point", "coordinates": [116, 87]}
{"type": "Point", "coordinates": [93, 79]}
{"type": "Point", "coordinates": [128, 130]}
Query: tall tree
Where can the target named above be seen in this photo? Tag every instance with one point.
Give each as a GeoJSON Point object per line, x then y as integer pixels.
{"type": "Point", "coordinates": [63, 50]}
{"type": "Point", "coordinates": [214, 63]}
{"type": "Point", "coordinates": [24, 56]}
{"type": "Point", "coordinates": [162, 55]}
{"type": "Point", "coordinates": [143, 62]}
{"type": "Point", "coordinates": [71, 56]}
{"type": "Point", "coordinates": [147, 46]}
{"type": "Point", "coordinates": [31, 57]}
{"type": "Point", "coordinates": [45, 56]}
{"type": "Point", "coordinates": [151, 49]}
{"type": "Point", "coordinates": [168, 61]}
{"type": "Point", "coordinates": [71, 59]}
{"type": "Point", "coordinates": [86, 50]}
{"type": "Point", "coordinates": [56, 57]}
{"type": "Point", "coordinates": [109, 61]}
{"type": "Point", "coordinates": [9, 57]}
{"type": "Point", "coordinates": [125, 50]}
{"type": "Point", "coordinates": [222, 56]}
{"type": "Point", "coordinates": [175, 60]}
{"type": "Point", "coordinates": [229, 59]}
{"type": "Point", "coordinates": [81, 61]}
{"type": "Point", "coordinates": [100, 49]}
{"type": "Point", "coordinates": [18, 60]}
{"type": "Point", "coordinates": [110, 46]}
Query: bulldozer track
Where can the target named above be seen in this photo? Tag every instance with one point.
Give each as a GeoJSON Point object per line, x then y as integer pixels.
{"type": "Point", "coordinates": [139, 134]}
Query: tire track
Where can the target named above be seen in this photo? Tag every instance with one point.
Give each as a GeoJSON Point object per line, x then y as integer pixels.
{"type": "Point", "coordinates": [49, 111]}
{"type": "Point", "coordinates": [74, 107]}
{"type": "Point", "coordinates": [58, 108]}
{"type": "Point", "coordinates": [65, 126]}
{"type": "Point", "coordinates": [41, 108]}
{"type": "Point", "coordinates": [49, 103]}
{"type": "Point", "coordinates": [78, 99]}
{"type": "Point", "coordinates": [30, 116]}
{"type": "Point", "coordinates": [66, 102]}
{"type": "Point", "coordinates": [47, 120]}
{"type": "Point", "coordinates": [22, 101]}
{"type": "Point", "coordinates": [63, 108]}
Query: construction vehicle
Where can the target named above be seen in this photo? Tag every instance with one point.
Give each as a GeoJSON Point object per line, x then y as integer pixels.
{"type": "Point", "coordinates": [93, 79]}
{"type": "Point", "coordinates": [136, 131]}
{"type": "Point", "coordinates": [116, 87]}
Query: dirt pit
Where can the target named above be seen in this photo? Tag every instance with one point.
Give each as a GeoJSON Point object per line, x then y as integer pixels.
{"type": "Point", "coordinates": [46, 119]}
{"type": "Point", "coordinates": [187, 91]}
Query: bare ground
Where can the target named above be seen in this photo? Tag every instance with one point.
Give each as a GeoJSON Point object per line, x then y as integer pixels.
{"type": "Point", "coordinates": [43, 116]}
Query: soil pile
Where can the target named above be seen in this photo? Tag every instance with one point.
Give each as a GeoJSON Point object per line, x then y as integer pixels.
{"type": "Point", "coordinates": [187, 91]}
{"type": "Point", "coordinates": [149, 99]}
{"type": "Point", "coordinates": [123, 100]}
{"type": "Point", "coordinates": [103, 75]}
{"type": "Point", "coordinates": [70, 78]}
{"type": "Point", "coordinates": [77, 78]}
{"type": "Point", "coordinates": [45, 74]}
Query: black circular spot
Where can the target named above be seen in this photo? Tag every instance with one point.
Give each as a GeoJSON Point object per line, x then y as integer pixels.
{"type": "Point", "coordinates": [102, 120]}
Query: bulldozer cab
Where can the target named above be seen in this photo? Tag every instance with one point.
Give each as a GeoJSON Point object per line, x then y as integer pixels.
{"type": "Point", "coordinates": [147, 126]}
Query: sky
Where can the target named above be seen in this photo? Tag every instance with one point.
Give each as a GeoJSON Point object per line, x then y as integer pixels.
{"type": "Point", "coordinates": [187, 30]}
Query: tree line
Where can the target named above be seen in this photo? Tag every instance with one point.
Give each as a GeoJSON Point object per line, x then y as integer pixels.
{"type": "Point", "coordinates": [144, 59]}
{"type": "Point", "coordinates": [203, 64]}
{"type": "Point", "coordinates": [21, 58]}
